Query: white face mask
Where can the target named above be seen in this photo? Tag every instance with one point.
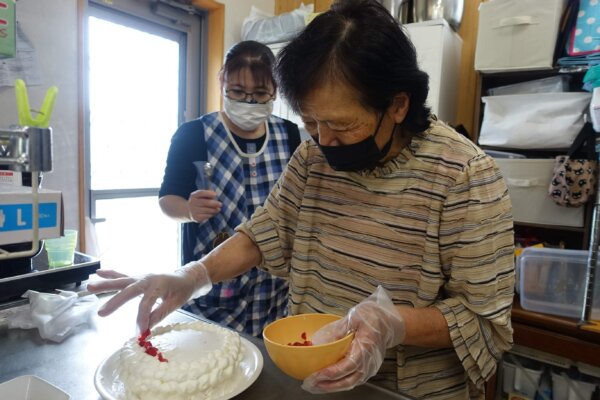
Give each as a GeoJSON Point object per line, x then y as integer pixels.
{"type": "Point", "coordinates": [247, 116]}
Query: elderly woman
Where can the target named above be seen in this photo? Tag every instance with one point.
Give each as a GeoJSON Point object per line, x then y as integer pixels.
{"type": "Point", "coordinates": [388, 217]}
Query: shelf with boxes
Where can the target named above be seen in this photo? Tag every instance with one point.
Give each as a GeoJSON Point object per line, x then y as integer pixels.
{"type": "Point", "coordinates": [515, 127]}
{"type": "Point", "coordinates": [537, 218]}
{"type": "Point", "coordinates": [533, 111]}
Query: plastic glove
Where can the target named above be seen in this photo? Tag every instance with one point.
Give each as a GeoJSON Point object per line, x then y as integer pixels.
{"type": "Point", "coordinates": [188, 282]}
{"type": "Point", "coordinates": [377, 326]}
{"type": "Point", "coordinates": [56, 316]}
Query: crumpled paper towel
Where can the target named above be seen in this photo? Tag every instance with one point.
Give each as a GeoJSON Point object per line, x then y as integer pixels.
{"type": "Point", "coordinates": [56, 316]}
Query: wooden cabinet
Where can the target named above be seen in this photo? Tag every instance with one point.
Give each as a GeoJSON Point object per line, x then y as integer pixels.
{"type": "Point", "coordinates": [559, 343]}
{"type": "Point", "coordinates": [572, 237]}
{"type": "Point", "coordinates": [556, 335]}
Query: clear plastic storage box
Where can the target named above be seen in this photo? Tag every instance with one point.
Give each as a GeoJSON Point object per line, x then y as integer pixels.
{"type": "Point", "coordinates": [552, 281]}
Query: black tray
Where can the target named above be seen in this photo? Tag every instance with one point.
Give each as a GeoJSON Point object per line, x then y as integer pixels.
{"type": "Point", "coordinates": [43, 278]}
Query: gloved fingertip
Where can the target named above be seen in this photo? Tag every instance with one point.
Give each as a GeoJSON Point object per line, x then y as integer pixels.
{"type": "Point", "coordinates": [314, 387]}
{"type": "Point", "coordinates": [141, 329]}
{"type": "Point", "coordinates": [309, 385]}
{"type": "Point", "coordinates": [102, 311]}
{"type": "Point", "coordinates": [157, 315]}
{"type": "Point", "coordinates": [143, 323]}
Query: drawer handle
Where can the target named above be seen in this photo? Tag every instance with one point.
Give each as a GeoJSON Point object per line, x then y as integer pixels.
{"type": "Point", "coordinates": [525, 182]}
{"type": "Point", "coordinates": [517, 20]}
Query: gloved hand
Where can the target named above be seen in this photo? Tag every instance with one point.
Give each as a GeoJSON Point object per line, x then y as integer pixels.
{"type": "Point", "coordinates": [174, 290]}
{"type": "Point", "coordinates": [203, 205]}
{"type": "Point", "coordinates": [377, 326]}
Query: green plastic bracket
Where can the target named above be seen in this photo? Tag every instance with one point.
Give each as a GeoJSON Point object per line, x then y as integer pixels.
{"type": "Point", "coordinates": [42, 120]}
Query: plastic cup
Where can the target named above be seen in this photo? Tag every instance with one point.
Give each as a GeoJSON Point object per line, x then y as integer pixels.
{"type": "Point", "coordinates": [61, 251]}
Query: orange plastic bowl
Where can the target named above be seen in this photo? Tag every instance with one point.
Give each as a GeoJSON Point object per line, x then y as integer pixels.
{"type": "Point", "coordinates": [301, 361]}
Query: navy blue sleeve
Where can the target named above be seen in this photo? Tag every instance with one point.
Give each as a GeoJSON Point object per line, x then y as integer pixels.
{"type": "Point", "coordinates": [293, 135]}
{"type": "Point", "coordinates": [187, 146]}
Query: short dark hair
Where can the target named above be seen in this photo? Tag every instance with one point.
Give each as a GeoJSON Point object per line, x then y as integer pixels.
{"type": "Point", "coordinates": [253, 55]}
{"type": "Point", "coordinates": [360, 43]}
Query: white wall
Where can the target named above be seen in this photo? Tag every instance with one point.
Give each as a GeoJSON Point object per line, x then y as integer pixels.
{"type": "Point", "coordinates": [236, 11]}
{"type": "Point", "coordinates": [51, 25]}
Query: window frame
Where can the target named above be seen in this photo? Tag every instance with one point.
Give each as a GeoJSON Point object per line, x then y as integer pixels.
{"type": "Point", "coordinates": [190, 30]}
{"type": "Point", "coordinates": [212, 45]}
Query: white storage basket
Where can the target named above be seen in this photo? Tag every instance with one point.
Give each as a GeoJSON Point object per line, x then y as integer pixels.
{"type": "Point", "coordinates": [533, 121]}
{"type": "Point", "coordinates": [528, 181]}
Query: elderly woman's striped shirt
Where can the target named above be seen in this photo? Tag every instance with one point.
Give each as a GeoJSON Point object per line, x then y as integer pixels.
{"type": "Point", "coordinates": [433, 226]}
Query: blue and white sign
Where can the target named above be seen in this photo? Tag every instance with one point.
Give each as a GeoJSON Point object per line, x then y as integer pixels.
{"type": "Point", "coordinates": [17, 217]}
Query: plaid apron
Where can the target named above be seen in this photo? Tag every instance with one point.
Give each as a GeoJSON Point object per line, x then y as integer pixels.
{"type": "Point", "coordinates": [249, 302]}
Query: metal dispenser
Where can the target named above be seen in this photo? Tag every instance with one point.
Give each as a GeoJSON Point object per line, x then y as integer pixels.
{"type": "Point", "coordinates": [28, 148]}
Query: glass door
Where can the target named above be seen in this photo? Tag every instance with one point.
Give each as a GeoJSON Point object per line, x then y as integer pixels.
{"type": "Point", "coordinates": [136, 101]}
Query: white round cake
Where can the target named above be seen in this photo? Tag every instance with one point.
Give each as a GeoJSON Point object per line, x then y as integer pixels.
{"type": "Point", "coordinates": [186, 361]}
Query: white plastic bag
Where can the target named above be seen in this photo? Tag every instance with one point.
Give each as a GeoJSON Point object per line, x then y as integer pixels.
{"type": "Point", "coordinates": [533, 121]}
{"type": "Point", "coordinates": [56, 316]}
{"type": "Point", "coordinates": [266, 28]}
{"type": "Point", "coordinates": [552, 84]}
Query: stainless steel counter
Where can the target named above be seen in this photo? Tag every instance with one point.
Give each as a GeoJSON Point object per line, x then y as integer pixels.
{"type": "Point", "coordinates": [71, 365]}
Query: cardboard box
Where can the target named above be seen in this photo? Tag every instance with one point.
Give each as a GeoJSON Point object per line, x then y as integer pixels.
{"type": "Point", "coordinates": [8, 21]}
{"type": "Point", "coordinates": [517, 35]}
{"type": "Point", "coordinates": [528, 181]}
{"type": "Point", "coordinates": [16, 212]}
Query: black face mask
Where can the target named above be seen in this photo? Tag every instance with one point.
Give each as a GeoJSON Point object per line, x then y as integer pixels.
{"type": "Point", "coordinates": [357, 156]}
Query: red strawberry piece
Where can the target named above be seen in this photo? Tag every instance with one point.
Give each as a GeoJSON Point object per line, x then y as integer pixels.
{"type": "Point", "coordinates": [153, 351]}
